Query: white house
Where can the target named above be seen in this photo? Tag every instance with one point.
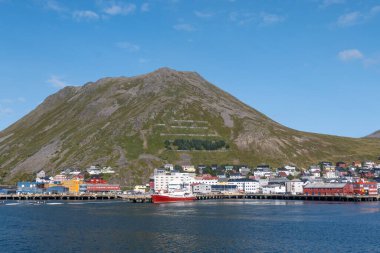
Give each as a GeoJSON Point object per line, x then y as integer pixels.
{"type": "Point", "coordinates": [201, 188]}
{"type": "Point", "coordinates": [107, 170]}
{"type": "Point", "coordinates": [162, 180]}
{"type": "Point", "coordinates": [245, 185]}
{"type": "Point", "coordinates": [236, 176]}
{"type": "Point", "coordinates": [41, 174]}
{"type": "Point", "coordinates": [169, 166]}
{"type": "Point", "coordinates": [274, 189]}
{"type": "Point", "coordinates": [294, 186]}
{"type": "Point", "coordinates": [93, 170]}
{"type": "Point", "coordinates": [329, 174]}
{"type": "Point", "coordinates": [188, 168]}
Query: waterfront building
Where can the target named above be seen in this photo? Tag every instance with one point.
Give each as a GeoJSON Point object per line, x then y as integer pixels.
{"type": "Point", "coordinates": [224, 188]}
{"type": "Point", "coordinates": [201, 188]}
{"type": "Point", "coordinates": [328, 189]}
{"type": "Point", "coordinates": [99, 188]}
{"type": "Point", "coordinates": [294, 187]}
{"type": "Point", "coordinates": [364, 187]}
{"type": "Point", "coordinates": [72, 185]}
{"type": "Point", "coordinates": [162, 180]}
{"type": "Point", "coordinates": [274, 189]}
{"type": "Point", "coordinates": [245, 185]}
{"type": "Point", "coordinates": [28, 188]}
{"type": "Point", "coordinates": [58, 189]}
{"type": "Point", "coordinates": [8, 190]}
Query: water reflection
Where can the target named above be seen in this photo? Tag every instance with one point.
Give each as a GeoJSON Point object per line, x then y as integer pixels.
{"type": "Point", "coordinates": [201, 226]}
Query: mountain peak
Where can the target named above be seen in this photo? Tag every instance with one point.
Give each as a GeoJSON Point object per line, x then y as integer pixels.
{"type": "Point", "coordinates": [127, 123]}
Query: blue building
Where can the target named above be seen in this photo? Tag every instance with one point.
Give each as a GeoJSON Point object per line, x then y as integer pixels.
{"type": "Point", "coordinates": [7, 191]}
{"type": "Point", "coordinates": [57, 189]}
{"type": "Point", "coordinates": [28, 188]}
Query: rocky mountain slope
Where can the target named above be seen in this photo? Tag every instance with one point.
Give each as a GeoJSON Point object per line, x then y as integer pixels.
{"type": "Point", "coordinates": [374, 135]}
{"type": "Point", "coordinates": [125, 123]}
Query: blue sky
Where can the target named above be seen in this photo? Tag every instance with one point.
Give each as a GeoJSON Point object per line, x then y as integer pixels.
{"type": "Point", "coordinates": [312, 65]}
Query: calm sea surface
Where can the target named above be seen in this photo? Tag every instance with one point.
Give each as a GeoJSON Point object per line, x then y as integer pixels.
{"type": "Point", "coordinates": [202, 226]}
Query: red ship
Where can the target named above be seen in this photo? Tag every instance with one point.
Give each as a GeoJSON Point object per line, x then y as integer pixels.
{"type": "Point", "coordinates": [172, 197]}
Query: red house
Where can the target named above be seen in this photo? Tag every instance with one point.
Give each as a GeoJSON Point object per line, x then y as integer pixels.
{"type": "Point", "coordinates": [364, 187]}
{"type": "Point", "coordinates": [328, 189]}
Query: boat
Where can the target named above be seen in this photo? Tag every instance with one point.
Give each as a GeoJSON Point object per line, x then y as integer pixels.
{"type": "Point", "coordinates": [172, 197]}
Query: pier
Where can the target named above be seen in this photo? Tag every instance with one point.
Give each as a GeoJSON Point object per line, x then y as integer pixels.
{"type": "Point", "coordinates": [142, 198]}
{"type": "Point", "coordinates": [58, 197]}
{"type": "Point", "coordinates": [341, 198]}
{"type": "Point", "coordinates": [146, 198]}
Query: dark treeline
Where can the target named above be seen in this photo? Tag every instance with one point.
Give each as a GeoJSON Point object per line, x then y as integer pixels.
{"type": "Point", "coordinates": [194, 144]}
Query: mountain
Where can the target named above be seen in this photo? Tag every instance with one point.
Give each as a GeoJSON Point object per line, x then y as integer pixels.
{"type": "Point", "coordinates": [137, 123]}
{"type": "Point", "coordinates": [374, 135]}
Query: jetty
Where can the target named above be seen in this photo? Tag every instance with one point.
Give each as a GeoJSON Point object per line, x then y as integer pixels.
{"type": "Point", "coordinates": [304, 197]}
{"type": "Point", "coordinates": [146, 198]}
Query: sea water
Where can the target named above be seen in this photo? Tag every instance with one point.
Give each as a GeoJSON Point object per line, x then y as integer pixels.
{"type": "Point", "coordinates": [199, 226]}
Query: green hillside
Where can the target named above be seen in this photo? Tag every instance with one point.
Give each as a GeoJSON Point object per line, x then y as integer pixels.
{"type": "Point", "coordinates": [126, 123]}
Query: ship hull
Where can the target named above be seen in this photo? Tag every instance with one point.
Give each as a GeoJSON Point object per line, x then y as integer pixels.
{"type": "Point", "coordinates": [171, 199]}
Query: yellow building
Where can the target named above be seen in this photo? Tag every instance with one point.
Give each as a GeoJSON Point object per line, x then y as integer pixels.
{"type": "Point", "coordinates": [73, 185]}
{"type": "Point", "coordinates": [140, 188]}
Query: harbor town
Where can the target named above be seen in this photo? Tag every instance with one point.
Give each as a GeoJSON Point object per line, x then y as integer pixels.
{"type": "Point", "coordinates": [340, 181]}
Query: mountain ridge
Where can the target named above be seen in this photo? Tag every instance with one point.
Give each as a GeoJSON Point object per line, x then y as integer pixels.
{"type": "Point", "coordinates": [375, 134]}
{"type": "Point", "coordinates": [124, 122]}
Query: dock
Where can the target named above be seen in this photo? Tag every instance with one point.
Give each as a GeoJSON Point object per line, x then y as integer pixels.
{"type": "Point", "coordinates": [146, 198]}
{"type": "Point", "coordinates": [58, 197]}
{"type": "Point", "coordinates": [340, 198]}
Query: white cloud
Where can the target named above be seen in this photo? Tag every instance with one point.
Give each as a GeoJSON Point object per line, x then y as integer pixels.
{"type": "Point", "coordinates": [375, 10]}
{"type": "Point", "coordinates": [184, 27]}
{"type": "Point", "coordinates": [6, 101]}
{"type": "Point", "coordinates": [262, 19]}
{"type": "Point", "coordinates": [349, 19]}
{"type": "Point", "coordinates": [242, 18]}
{"type": "Point", "coordinates": [270, 19]}
{"type": "Point", "coordinates": [143, 60]}
{"type": "Point", "coordinates": [350, 54]}
{"type": "Point", "coordinates": [21, 99]}
{"type": "Point", "coordinates": [53, 6]}
{"type": "Point", "coordinates": [128, 46]}
{"type": "Point", "coordinates": [202, 14]}
{"type": "Point", "coordinates": [328, 3]}
{"type": "Point", "coordinates": [145, 7]}
{"type": "Point", "coordinates": [12, 101]}
{"type": "Point", "coordinates": [356, 17]}
{"type": "Point", "coordinates": [5, 110]}
{"type": "Point", "coordinates": [57, 82]}
{"type": "Point", "coordinates": [85, 15]}
{"type": "Point", "coordinates": [120, 9]}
